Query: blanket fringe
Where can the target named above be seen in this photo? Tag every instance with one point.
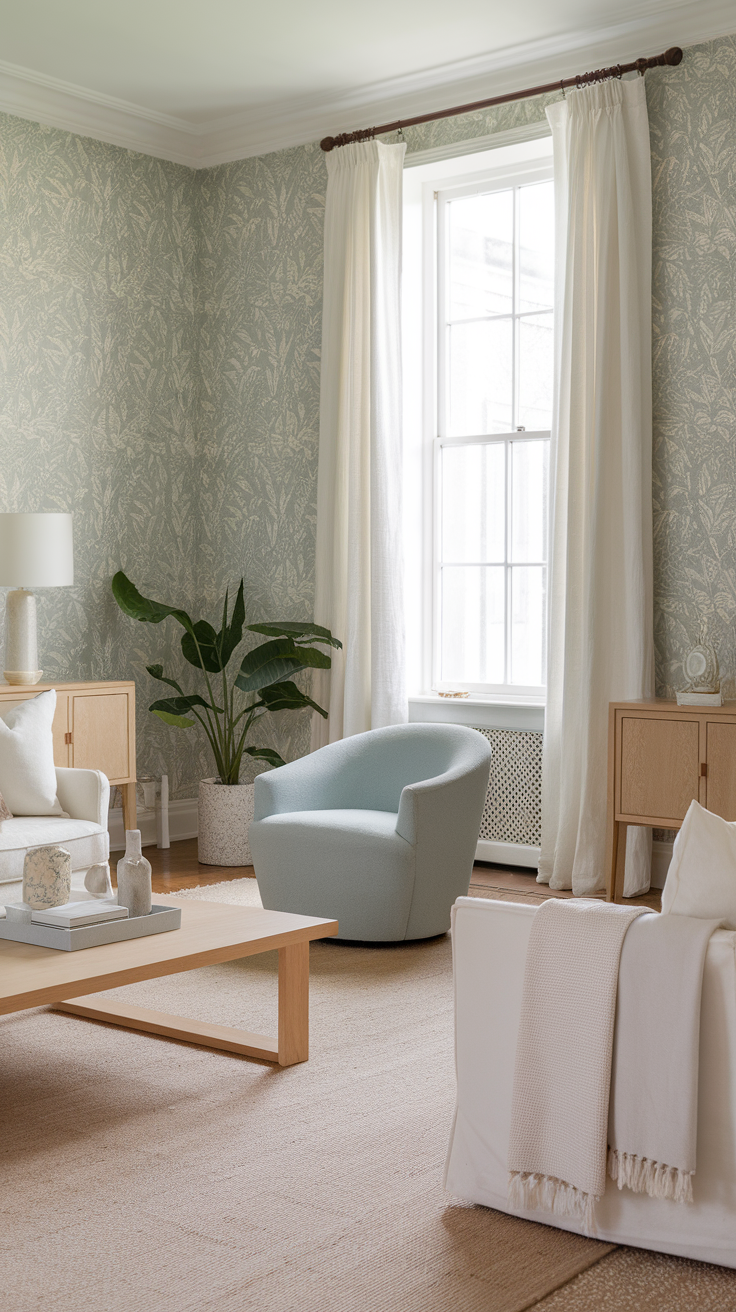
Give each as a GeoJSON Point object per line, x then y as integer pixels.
{"type": "Point", "coordinates": [644, 1176]}
{"type": "Point", "coordinates": [528, 1190]}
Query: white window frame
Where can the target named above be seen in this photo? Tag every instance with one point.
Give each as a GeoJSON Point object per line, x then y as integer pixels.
{"type": "Point", "coordinates": [423, 441]}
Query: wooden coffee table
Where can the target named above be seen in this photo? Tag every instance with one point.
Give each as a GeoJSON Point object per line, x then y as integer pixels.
{"type": "Point", "coordinates": [210, 932]}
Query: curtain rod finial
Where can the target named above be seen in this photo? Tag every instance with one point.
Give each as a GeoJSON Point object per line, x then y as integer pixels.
{"type": "Point", "coordinates": [327, 143]}
{"type": "Point", "coordinates": [673, 56]}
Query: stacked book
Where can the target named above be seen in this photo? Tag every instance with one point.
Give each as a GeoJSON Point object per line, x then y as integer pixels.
{"type": "Point", "coordinates": [72, 915]}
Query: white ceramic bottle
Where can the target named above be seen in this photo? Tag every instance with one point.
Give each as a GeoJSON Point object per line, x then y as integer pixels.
{"type": "Point", "coordinates": [134, 877]}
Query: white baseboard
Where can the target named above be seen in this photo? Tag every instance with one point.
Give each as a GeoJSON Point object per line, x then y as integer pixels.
{"type": "Point", "coordinates": [182, 824]}
{"type": "Point", "coordinates": [507, 854]}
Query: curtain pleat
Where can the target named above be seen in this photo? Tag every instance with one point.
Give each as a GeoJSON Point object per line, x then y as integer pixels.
{"type": "Point", "coordinates": [358, 569]}
{"type": "Point", "coordinates": [600, 579]}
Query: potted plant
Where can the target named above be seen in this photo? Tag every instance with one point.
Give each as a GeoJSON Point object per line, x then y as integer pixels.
{"type": "Point", "coordinates": [264, 676]}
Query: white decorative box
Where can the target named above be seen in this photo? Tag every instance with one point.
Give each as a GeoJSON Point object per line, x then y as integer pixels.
{"type": "Point", "coordinates": [159, 921]}
{"type": "Point", "coordinates": [699, 699]}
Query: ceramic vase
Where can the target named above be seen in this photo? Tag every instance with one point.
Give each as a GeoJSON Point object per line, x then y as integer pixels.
{"type": "Point", "coordinates": [134, 877]}
{"type": "Point", "coordinates": [47, 877]}
{"type": "Point", "coordinates": [225, 816]}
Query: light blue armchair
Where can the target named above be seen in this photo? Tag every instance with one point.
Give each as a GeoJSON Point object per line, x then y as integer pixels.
{"type": "Point", "coordinates": [378, 831]}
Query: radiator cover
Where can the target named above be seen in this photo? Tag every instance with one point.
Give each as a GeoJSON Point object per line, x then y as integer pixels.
{"type": "Point", "coordinates": [513, 809]}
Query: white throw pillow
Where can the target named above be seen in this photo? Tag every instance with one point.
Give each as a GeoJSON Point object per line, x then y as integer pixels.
{"type": "Point", "coordinates": [27, 774]}
{"type": "Point", "coordinates": [701, 880]}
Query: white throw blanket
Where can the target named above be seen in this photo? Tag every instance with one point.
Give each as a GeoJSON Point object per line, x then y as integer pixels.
{"type": "Point", "coordinates": [653, 1113]}
{"type": "Point", "coordinates": [562, 1077]}
{"type": "Point", "coordinates": [562, 1081]}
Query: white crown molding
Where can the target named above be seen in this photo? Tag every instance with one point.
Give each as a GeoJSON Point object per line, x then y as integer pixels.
{"type": "Point", "coordinates": [652, 27]}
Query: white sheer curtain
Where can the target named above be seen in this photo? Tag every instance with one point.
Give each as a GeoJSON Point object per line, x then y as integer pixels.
{"type": "Point", "coordinates": [358, 583]}
{"type": "Point", "coordinates": [600, 588]}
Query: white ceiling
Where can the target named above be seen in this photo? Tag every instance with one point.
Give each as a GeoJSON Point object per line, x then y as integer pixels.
{"type": "Point", "coordinates": [205, 80]}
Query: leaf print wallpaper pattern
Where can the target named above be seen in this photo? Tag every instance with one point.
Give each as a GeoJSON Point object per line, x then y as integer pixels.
{"type": "Point", "coordinates": [98, 347]}
{"type": "Point", "coordinates": [160, 334]}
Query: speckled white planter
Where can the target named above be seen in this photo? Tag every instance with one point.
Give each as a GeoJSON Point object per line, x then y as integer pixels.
{"type": "Point", "coordinates": [225, 816]}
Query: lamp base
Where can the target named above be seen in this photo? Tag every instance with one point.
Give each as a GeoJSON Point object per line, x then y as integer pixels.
{"type": "Point", "coordinates": [25, 677]}
{"type": "Point", "coordinates": [21, 648]}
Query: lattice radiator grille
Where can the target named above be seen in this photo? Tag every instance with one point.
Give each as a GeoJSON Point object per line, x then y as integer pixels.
{"type": "Point", "coordinates": [513, 809]}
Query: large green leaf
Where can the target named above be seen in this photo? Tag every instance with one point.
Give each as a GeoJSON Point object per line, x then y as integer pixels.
{"type": "Point", "coordinates": [265, 754]}
{"type": "Point", "coordinates": [274, 661]}
{"type": "Point", "coordinates": [231, 635]}
{"type": "Point", "coordinates": [216, 648]}
{"type": "Point", "coordinates": [287, 697]}
{"type": "Point", "coordinates": [141, 608]}
{"type": "Point", "coordinates": [289, 629]}
{"type": "Point", "coordinates": [178, 721]}
{"type": "Point", "coordinates": [180, 705]}
{"type": "Point", "coordinates": [207, 641]}
{"type": "Point", "coordinates": [157, 671]}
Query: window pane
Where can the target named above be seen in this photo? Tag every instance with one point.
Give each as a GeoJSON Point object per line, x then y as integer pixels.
{"type": "Point", "coordinates": [473, 624]}
{"type": "Point", "coordinates": [529, 500]}
{"type": "Point", "coordinates": [536, 246]}
{"type": "Point", "coordinates": [535, 371]}
{"type": "Point", "coordinates": [481, 236]}
{"type": "Point", "coordinates": [528, 599]}
{"type": "Point", "coordinates": [480, 378]}
{"type": "Point", "coordinates": [474, 503]}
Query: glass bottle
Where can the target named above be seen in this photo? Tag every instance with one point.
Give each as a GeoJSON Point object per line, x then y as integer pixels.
{"type": "Point", "coordinates": [134, 877]}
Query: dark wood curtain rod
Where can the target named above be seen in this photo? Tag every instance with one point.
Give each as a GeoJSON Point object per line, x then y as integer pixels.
{"type": "Point", "coordinates": [641, 65]}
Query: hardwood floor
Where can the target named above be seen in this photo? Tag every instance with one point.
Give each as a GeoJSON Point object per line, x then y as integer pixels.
{"type": "Point", "coordinates": [512, 884]}
{"type": "Point", "coordinates": [178, 867]}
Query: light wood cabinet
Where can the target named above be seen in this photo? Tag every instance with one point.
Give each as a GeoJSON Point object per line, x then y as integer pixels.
{"type": "Point", "coordinates": [93, 729]}
{"type": "Point", "coordinates": [661, 757]}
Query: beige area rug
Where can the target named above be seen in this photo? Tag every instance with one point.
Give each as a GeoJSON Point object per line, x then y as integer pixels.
{"type": "Point", "coordinates": [143, 1175]}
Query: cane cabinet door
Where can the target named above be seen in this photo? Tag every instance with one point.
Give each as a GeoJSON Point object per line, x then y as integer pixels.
{"type": "Point", "coordinates": [660, 766]}
{"type": "Point", "coordinates": [60, 730]}
{"type": "Point", "coordinates": [721, 769]}
{"type": "Point", "coordinates": [100, 734]}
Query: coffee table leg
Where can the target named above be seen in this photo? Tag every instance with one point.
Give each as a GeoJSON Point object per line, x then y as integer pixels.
{"type": "Point", "coordinates": [293, 1004]}
{"type": "Point", "coordinates": [291, 1047]}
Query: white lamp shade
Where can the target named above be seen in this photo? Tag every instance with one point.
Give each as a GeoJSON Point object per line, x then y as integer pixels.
{"type": "Point", "coordinates": [36, 551]}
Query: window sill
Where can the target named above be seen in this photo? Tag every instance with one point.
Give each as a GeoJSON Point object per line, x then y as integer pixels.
{"type": "Point", "coordinates": [497, 712]}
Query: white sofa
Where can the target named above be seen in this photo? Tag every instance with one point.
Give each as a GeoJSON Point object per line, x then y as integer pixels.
{"type": "Point", "coordinates": [85, 796]}
{"type": "Point", "coordinates": [489, 948]}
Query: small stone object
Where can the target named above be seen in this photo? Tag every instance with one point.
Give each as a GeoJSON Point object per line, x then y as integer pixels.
{"type": "Point", "coordinates": [134, 877]}
{"type": "Point", "coordinates": [19, 912]}
{"type": "Point", "coordinates": [97, 881]}
{"type": "Point", "coordinates": [47, 877]}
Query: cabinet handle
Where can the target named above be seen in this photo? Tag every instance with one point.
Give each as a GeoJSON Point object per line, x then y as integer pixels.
{"type": "Point", "coordinates": [67, 737]}
{"type": "Point", "coordinates": [703, 770]}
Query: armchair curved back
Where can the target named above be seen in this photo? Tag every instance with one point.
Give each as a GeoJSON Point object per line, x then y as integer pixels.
{"type": "Point", "coordinates": [370, 770]}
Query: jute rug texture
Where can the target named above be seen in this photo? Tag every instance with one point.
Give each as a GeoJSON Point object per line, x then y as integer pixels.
{"type": "Point", "coordinates": [142, 1174]}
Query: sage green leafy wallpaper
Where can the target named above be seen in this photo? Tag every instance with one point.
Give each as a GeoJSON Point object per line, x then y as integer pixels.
{"type": "Point", "coordinates": [98, 251]}
{"type": "Point", "coordinates": [159, 348]}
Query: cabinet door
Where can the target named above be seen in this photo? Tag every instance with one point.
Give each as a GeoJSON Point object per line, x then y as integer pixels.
{"type": "Point", "coordinates": [720, 783]}
{"type": "Point", "coordinates": [60, 730]}
{"type": "Point", "coordinates": [100, 734]}
{"type": "Point", "coordinates": [660, 767]}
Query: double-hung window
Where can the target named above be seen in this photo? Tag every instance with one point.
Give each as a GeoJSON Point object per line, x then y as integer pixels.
{"type": "Point", "coordinates": [487, 373]}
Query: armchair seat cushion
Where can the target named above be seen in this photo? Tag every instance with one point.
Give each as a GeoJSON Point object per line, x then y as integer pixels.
{"type": "Point", "coordinates": [321, 863]}
{"type": "Point", "coordinates": [87, 841]}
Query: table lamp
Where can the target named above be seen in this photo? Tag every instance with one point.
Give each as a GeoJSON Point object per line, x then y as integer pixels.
{"type": "Point", "coordinates": [36, 551]}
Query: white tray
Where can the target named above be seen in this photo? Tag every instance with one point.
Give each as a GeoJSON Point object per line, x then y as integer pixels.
{"type": "Point", "coordinates": [158, 921]}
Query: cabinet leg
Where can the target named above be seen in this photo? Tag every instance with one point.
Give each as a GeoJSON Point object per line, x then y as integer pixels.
{"type": "Point", "coordinates": [129, 805]}
{"type": "Point", "coordinates": [617, 868]}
